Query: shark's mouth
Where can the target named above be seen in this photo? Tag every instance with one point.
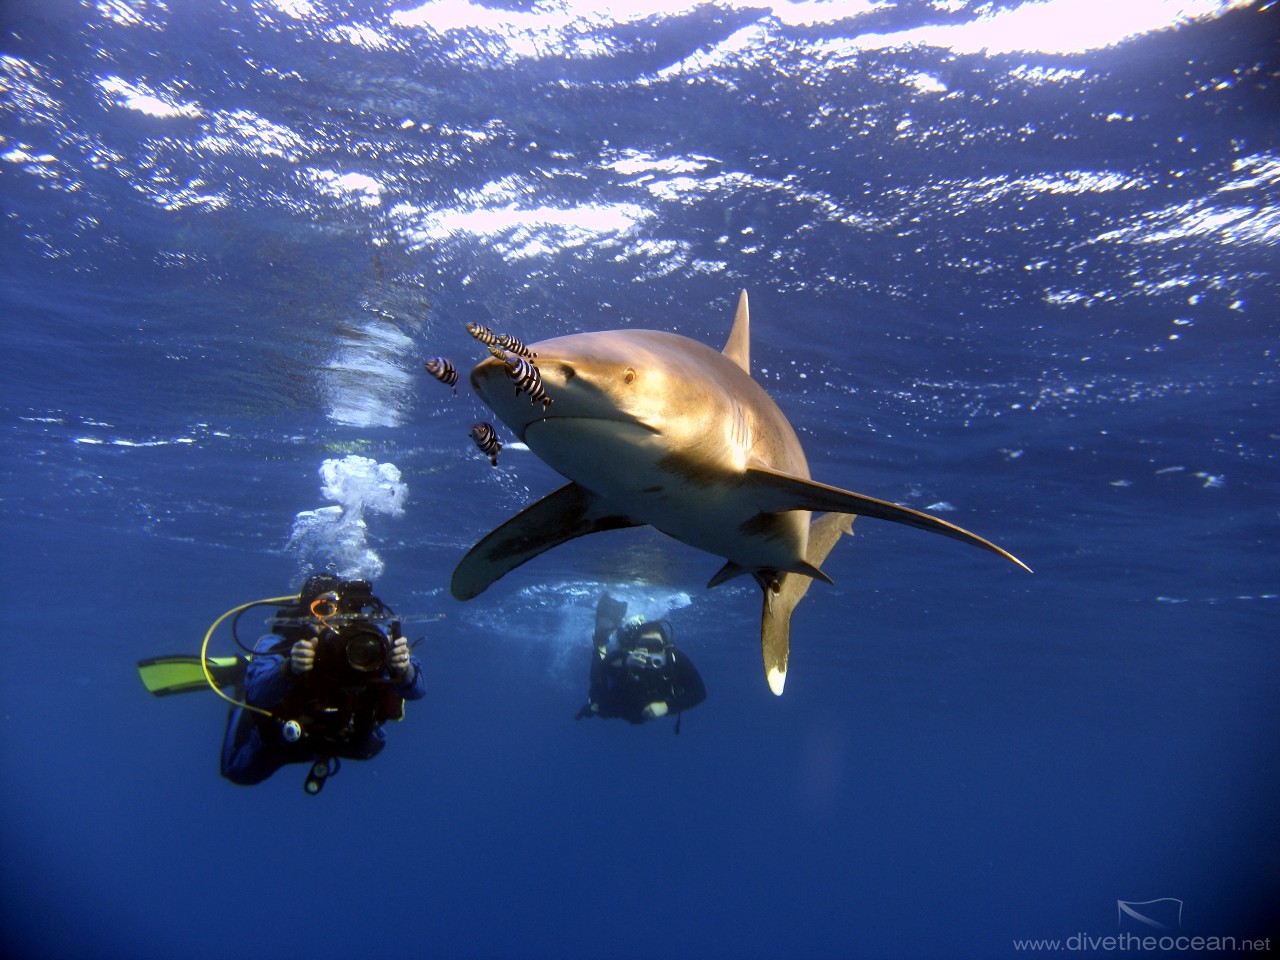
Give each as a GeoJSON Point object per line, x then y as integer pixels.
{"type": "Point", "coordinates": [590, 424]}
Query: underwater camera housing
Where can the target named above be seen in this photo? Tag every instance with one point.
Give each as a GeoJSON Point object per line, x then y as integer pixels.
{"type": "Point", "coordinates": [352, 645]}
{"type": "Point", "coordinates": [359, 648]}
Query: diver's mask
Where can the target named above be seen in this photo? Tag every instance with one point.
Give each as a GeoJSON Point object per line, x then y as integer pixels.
{"type": "Point", "coordinates": [638, 632]}
{"type": "Point", "coordinates": [648, 645]}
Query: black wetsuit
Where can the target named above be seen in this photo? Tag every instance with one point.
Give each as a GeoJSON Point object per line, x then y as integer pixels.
{"type": "Point", "coordinates": [621, 688]}
{"type": "Point", "coordinates": [253, 747]}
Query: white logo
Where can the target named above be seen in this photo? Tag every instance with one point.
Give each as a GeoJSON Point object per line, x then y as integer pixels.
{"type": "Point", "coordinates": [1162, 914]}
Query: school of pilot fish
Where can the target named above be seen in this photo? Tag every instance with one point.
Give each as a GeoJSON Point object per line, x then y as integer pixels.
{"type": "Point", "coordinates": [522, 369]}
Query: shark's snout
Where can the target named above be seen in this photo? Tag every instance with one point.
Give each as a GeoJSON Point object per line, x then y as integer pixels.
{"type": "Point", "coordinates": [559, 372]}
{"type": "Point", "coordinates": [523, 392]}
{"type": "Point", "coordinates": [482, 371]}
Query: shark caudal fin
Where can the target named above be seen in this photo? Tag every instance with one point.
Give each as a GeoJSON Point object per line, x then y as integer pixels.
{"type": "Point", "coordinates": [775, 619]}
{"type": "Point", "coordinates": [569, 512]}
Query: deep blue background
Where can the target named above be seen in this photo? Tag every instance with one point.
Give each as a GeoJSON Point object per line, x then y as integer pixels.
{"type": "Point", "coordinates": [1044, 308]}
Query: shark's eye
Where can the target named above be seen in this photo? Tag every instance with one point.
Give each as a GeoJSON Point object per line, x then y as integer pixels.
{"type": "Point", "coordinates": [629, 376]}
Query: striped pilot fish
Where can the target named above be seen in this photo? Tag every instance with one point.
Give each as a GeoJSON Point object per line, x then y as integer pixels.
{"type": "Point", "coordinates": [444, 371]}
{"type": "Point", "coordinates": [483, 334]}
{"type": "Point", "coordinates": [527, 380]}
{"type": "Point", "coordinates": [515, 345]}
{"type": "Point", "coordinates": [502, 340]}
{"type": "Point", "coordinates": [487, 440]}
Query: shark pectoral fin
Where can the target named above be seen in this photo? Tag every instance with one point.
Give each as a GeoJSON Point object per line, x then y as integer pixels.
{"type": "Point", "coordinates": [572, 511]}
{"type": "Point", "coordinates": [781, 491]}
{"type": "Point", "coordinates": [775, 618]}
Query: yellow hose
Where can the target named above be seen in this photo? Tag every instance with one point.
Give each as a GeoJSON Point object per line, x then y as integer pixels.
{"type": "Point", "coordinates": [204, 650]}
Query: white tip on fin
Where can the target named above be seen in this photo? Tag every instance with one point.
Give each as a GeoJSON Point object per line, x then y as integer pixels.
{"type": "Point", "coordinates": [777, 680]}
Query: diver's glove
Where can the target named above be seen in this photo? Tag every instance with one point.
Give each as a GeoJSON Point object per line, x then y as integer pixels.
{"type": "Point", "coordinates": [302, 656]}
{"type": "Point", "coordinates": [655, 710]}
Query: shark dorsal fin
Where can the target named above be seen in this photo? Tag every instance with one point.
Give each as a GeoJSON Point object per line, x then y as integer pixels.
{"type": "Point", "coordinates": [738, 347]}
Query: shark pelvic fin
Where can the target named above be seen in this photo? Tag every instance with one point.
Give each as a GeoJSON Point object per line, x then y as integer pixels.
{"type": "Point", "coordinates": [781, 491]}
{"type": "Point", "coordinates": [801, 569]}
{"type": "Point", "coordinates": [727, 572]}
{"type": "Point", "coordinates": [572, 511]}
{"type": "Point", "coordinates": [775, 616]}
{"type": "Point", "coordinates": [806, 569]}
{"type": "Point", "coordinates": [738, 347]}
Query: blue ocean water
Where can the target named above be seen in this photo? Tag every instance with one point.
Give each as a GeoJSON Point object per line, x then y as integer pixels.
{"type": "Point", "coordinates": [1013, 264]}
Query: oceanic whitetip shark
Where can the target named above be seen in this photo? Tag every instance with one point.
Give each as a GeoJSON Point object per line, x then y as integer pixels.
{"type": "Point", "coordinates": [654, 428]}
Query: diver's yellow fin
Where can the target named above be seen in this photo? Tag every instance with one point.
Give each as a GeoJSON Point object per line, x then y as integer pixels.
{"type": "Point", "coordinates": [775, 620]}
{"type": "Point", "coordinates": [165, 676]}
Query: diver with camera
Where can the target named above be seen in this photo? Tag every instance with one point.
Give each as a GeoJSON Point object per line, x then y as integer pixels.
{"type": "Point", "coordinates": [316, 690]}
{"type": "Point", "coordinates": [320, 686]}
{"type": "Point", "coordinates": [643, 676]}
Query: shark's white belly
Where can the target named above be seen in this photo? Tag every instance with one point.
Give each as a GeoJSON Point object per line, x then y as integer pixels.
{"type": "Point", "coordinates": [690, 495]}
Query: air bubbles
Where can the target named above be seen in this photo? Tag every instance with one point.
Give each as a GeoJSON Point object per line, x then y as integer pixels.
{"type": "Point", "coordinates": [335, 538]}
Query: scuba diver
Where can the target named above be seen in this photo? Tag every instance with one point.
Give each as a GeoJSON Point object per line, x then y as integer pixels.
{"type": "Point", "coordinates": [316, 690]}
{"type": "Point", "coordinates": [644, 676]}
